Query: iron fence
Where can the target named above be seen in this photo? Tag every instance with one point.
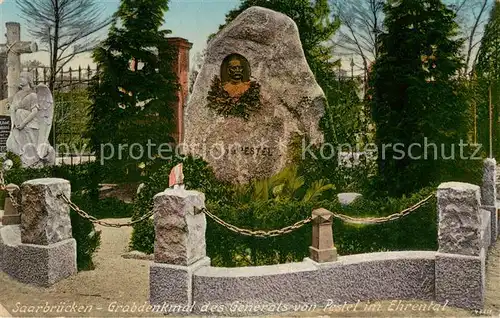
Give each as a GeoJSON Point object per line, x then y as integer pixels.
{"type": "Point", "coordinates": [71, 105]}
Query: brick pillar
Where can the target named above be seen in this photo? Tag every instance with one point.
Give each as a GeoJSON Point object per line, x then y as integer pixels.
{"type": "Point", "coordinates": [181, 67]}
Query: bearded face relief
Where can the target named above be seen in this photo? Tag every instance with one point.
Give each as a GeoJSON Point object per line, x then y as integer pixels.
{"type": "Point", "coordinates": [235, 75]}
{"type": "Point", "coordinates": [233, 94]}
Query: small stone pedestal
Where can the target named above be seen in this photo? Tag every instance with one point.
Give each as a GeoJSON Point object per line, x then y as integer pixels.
{"type": "Point", "coordinates": [11, 214]}
{"type": "Point", "coordinates": [41, 251]}
{"type": "Point", "coordinates": [460, 261]}
{"type": "Point", "coordinates": [180, 246]}
{"type": "Point", "coordinates": [322, 249]}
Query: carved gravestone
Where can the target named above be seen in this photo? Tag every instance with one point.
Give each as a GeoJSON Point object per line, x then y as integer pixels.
{"type": "Point", "coordinates": [254, 100]}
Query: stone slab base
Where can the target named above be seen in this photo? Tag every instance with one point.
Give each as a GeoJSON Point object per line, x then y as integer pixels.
{"type": "Point", "coordinates": [460, 280]}
{"type": "Point", "coordinates": [494, 222]}
{"type": "Point", "coordinates": [375, 276]}
{"type": "Point", "coordinates": [486, 228]}
{"type": "Point", "coordinates": [171, 285]}
{"type": "Point", "coordinates": [40, 265]}
{"type": "Point", "coordinates": [326, 255]}
{"type": "Point", "coordinates": [11, 219]}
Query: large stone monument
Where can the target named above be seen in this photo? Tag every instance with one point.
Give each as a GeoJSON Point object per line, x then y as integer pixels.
{"type": "Point", "coordinates": [31, 112]}
{"type": "Point", "coordinates": [255, 95]}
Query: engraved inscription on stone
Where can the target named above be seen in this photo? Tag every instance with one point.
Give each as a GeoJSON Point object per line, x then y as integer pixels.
{"type": "Point", "coordinates": [4, 132]}
{"type": "Point", "coordinates": [251, 151]}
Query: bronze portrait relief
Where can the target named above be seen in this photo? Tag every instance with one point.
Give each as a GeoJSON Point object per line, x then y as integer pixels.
{"type": "Point", "coordinates": [234, 93]}
{"type": "Point", "coordinates": [235, 75]}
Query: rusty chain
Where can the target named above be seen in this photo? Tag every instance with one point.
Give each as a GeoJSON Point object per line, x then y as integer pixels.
{"type": "Point", "coordinates": [258, 233]}
{"type": "Point", "coordinates": [93, 219]}
{"type": "Point", "coordinates": [343, 217]}
{"type": "Point", "coordinates": [13, 199]}
{"type": "Point", "coordinates": [233, 228]}
{"type": "Point", "coordinates": [383, 219]}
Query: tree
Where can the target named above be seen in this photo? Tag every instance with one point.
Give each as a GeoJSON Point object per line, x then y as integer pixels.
{"type": "Point", "coordinates": [416, 94]}
{"type": "Point", "coordinates": [488, 76]}
{"type": "Point", "coordinates": [471, 16]}
{"type": "Point", "coordinates": [135, 87]}
{"type": "Point", "coordinates": [64, 27]}
{"type": "Point", "coordinates": [489, 53]}
{"type": "Point", "coordinates": [32, 64]}
{"type": "Point", "coordinates": [362, 23]}
{"type": "Point", "coordinates": [316, 29]}
{"type": "Point", "coordinates": [195, 70]}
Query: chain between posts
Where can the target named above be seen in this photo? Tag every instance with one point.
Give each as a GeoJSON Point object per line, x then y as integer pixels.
{"type": "Point", "coordinates": [256, 233]}
{"type": "Point", "coordinates": [345, 218]}
{"type": "Point", "coordinates": [383, 219]}
{"type": "Point", "coordinates": [93, 219]}
{"type": "Point", "coordinates": [13, 199]}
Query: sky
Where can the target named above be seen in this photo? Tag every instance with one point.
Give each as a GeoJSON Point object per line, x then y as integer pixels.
{"type": "Point", "coordinates": [193, 20]}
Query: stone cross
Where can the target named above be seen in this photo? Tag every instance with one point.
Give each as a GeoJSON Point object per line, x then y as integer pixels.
{"type": "Point", "coordinates": [13, 49]}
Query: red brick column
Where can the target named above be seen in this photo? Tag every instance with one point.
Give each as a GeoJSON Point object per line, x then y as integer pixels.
{"type": "Point", "coordinates": [181, 67]}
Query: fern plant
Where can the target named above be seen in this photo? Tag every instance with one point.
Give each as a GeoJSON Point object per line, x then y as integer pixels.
{"type": "Point", "coordinates": [285, 186]}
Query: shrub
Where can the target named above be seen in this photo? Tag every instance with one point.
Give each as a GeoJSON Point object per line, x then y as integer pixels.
{"type": "Point", "coordinates": [78, 175]}
{"type": "Point", "coordinates": [104, 208]}
{"type": "Point", "coordinates": [87, 241]}
{"type": "Point", "coordinates": [417, 231]}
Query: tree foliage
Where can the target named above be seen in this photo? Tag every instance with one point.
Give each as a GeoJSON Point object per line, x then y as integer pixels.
{"type": "Point", "coordinates": [135, 87]}
{"type": "Point", "coordinates": [488, 76]}
{"type": "Point", "coordinates": [416, 95]}
{"type": "Point", "coordinates": [317, 30]}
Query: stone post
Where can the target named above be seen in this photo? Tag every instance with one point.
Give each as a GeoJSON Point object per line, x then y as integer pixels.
{"type": "Point", "coordinates": [460, 261]}
{"type": "Point", "coordinates": [322, 249]}
{"type": "Point", "coordinates": [41, 251]}
{"type": "Point", "coordinates": [180, 246]}
{"type": "Point", "coordinates": [45, 220]}
{"type": "Point", "coordinates": [11, 214]}
{"type": "Point", "coordinates": [489, 195]}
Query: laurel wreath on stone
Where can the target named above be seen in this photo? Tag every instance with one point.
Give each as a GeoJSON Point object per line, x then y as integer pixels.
{"type": "Point", "coordinates": [225, 105]}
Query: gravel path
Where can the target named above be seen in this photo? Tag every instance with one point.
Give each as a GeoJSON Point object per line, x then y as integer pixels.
{"type": "Point", "coordinates": [117, 281]}
{"type": "Point", "coordinates": [114, 281]}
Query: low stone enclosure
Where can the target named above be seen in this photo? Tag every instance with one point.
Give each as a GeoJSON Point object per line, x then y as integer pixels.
{"type": "Point", "coordinates": [181, 275]}
{"type": "Point", "coordinates": [41, 251]}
